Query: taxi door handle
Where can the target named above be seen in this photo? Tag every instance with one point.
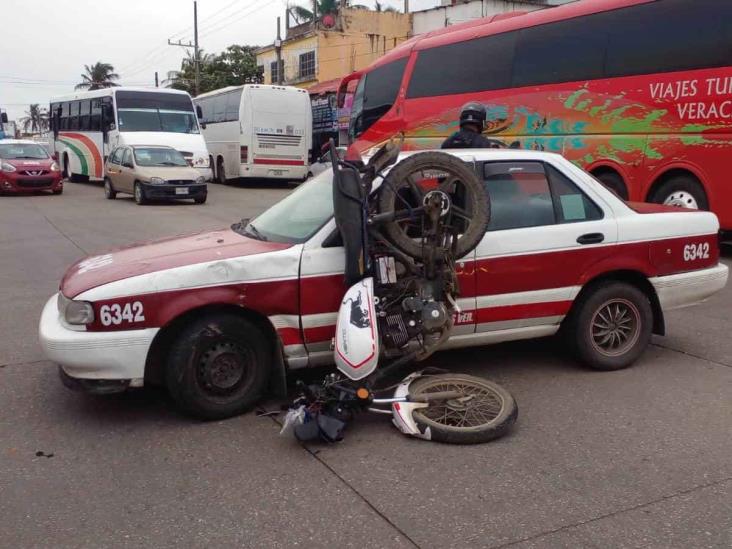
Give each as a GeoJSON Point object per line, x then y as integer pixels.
{"type": "Point", "coordinates": [591, 238]}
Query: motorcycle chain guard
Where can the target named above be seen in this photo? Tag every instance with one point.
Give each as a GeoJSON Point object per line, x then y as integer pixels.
{"type": "Point", "coordinates": [357, 336]}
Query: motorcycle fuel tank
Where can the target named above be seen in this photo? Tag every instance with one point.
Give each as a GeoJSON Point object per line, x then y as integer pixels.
{"type": "Point", "coordinates": [357, 336]}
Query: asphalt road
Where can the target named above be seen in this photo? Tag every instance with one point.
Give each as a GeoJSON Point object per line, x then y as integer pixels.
{"type": "Point", "coordinates": [637, 458]}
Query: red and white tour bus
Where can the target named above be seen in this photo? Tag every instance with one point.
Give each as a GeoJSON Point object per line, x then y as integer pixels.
{"type": "Point", "coordinates": [638, 92]}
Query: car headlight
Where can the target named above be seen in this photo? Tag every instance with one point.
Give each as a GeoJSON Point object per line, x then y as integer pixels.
{"type": "Point", "coordinates": [75, 312]}
{"type": "Point", "coordinates": [5, 167]}
{"type": "Point", "coordinates": [200, 180]}
{"type": "Point", "coordinates": [54, 167]}
{"type": "Point", "coordinates": [157, 181]}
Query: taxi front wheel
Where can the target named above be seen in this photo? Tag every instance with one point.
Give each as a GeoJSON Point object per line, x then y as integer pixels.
{"type": "Point", "coordinates": [611, 326]}
{"type": "Point", "coordinates": [218, 367]}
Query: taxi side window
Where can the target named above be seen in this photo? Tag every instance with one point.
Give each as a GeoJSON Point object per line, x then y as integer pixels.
{"type": "Point", "coordinates": [116, 157]}
{"type": "Point", "coordinates": [127, 158]}
{"type": "Point", "coordinates": [570, 203]}
{"type": "Point", "coordinates": [520, 195]}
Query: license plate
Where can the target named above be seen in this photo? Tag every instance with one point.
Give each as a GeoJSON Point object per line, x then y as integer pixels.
{"type": "Point", "coordinates": [278, 172]}
{"type": "Point", "coordinates": [181, 190]}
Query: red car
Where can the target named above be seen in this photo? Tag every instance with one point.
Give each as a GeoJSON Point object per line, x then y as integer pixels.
{"type": "Point", "coordinates": [27, 166]}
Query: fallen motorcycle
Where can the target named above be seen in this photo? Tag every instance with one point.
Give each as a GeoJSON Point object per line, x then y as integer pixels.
{"type": "Point", "coordinates": [401, 241]}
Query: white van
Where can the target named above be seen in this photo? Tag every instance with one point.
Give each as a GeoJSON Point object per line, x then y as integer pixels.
{"type": "Point", "coordinates": [257, 131]}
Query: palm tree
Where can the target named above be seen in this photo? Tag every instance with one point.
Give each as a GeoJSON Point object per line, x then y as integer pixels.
{"type": "Point", "coordinates": [99, 75]}
{"type": "Point", "coordinates": [324, 6]}
{"type": "Point", "coordinates": [36, 119]}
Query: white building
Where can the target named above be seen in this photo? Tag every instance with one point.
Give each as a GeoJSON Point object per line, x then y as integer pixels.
{"type": "Point", "coordinates": [452, 12]}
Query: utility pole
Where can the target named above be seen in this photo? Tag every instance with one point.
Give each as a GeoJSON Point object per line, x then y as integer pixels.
{"type": "Point", "coordinates": [156, 79]}
{"type": "Point", "coordinates": [195, 45]}
{"type": "Point", "coordinates": [196, 57]}
{"type": "Point", "coordinates": [278, 49]}
{"type": "Point", "coordinates": [406, 6]}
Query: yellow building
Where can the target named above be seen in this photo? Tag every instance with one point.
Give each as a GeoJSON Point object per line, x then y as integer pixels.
{"type": "Point", "coordinates": [334, 46]}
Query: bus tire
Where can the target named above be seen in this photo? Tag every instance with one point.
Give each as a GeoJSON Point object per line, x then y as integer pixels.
{"type": "Point", "coordinates": [682, 191]}
{"type": "Point", "coordinates": [67, 171]}
{"type": "Point", "coordinates": [614, 182]}
{"type": "Point", "coordinates": [220, 172]}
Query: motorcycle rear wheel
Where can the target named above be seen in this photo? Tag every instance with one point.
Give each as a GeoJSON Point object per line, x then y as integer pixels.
{"type": "Point", "coordinates": [406, 186]}
{"type": "Point", "coordinates": [485, 413]}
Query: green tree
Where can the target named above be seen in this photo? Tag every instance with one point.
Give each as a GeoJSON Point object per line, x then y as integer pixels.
{"type": "Point", "coordinates": [234, 66]}
{"type": "Point", "coordinates": [99, 75]}
{"type": "Point", "coordinates": [35, 119]}
{"type": "Point", "coordinates": [302, 13]}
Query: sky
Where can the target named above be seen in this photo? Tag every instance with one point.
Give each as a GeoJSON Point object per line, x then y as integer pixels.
{"type": "Point", "coordinates": [44, 44]}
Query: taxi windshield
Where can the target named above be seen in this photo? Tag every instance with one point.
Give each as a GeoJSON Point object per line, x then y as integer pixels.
{"type": "Point", "coordinates": [299, 215]}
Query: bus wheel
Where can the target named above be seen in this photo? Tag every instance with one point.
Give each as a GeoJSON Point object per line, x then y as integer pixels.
{"type": "Point", "coordinates": [682, 191]}
{"type": "Point", "coordinates": [67, 171]}
{"type": "Point", "coordinates": [614, 182]}
{"type": "Point", "coordinates": [220, 172]}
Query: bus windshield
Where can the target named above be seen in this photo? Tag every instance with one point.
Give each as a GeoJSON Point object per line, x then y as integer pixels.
{"type": "Point", "coordinates": [155, 112]}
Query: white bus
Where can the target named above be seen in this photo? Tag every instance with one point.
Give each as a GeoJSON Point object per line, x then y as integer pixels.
{"type": "Point", "coordinates": [257, 131]}
{"type": "Point", "coordinates": [87, 126]}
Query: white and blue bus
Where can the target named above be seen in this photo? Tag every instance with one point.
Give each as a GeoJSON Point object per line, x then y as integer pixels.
{"type": "Point", "coordinates": [87, 126]}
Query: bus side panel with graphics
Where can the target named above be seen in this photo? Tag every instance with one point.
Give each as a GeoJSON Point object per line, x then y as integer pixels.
{"type": "Point", "coordinates": [87, 126]}
{"type": "Point", "coordinates": [257, 131]}
{"type": "Point", "coordinates": [638, 92]}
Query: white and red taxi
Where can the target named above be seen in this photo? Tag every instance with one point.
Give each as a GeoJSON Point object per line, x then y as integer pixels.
{"type": "Point", "coordinates": [214, 315]}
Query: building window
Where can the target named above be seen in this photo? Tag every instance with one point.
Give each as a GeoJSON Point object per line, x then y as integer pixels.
{"type": "Point", "coordinates": [275, 74]}
{"type": "Point", "coordinates": [307, 65]}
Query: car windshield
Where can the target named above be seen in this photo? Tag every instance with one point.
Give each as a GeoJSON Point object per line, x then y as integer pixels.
{"type": "Point", "coordinates": [156, 120]}
{"type": "Point", "coordinates": [11, 151]}
{"type": "Point", "coordinates": [299, 215]}
{"type": "Point", "coordinates": [158, 156]}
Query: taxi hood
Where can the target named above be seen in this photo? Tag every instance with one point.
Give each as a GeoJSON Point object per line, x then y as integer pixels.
{"type": "Point", "coordinates": [159, 255]}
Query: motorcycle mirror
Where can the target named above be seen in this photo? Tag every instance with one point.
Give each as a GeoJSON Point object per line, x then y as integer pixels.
{"type": "Point", "coordinates": [386, 155]}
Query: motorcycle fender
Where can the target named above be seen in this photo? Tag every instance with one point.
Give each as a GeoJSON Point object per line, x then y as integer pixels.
{"type": "Point", "coordinates": [357, 336]}
{"type": "Point", "coordinates": [402, 411]}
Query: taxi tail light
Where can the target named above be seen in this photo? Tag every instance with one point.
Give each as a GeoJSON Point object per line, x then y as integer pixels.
{"type": "Point", "coordinates": [244, 154]}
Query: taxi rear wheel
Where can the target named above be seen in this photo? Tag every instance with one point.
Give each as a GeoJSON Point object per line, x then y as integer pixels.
{"type": "Point", "coordinates": [218, 367]}
{"type": "Point", "coordinates": [611, 326]}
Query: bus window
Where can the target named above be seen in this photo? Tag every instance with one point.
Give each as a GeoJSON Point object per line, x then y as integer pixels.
{"type": "Point", "coordinates": [84, 114]}
{"type": "Point", "coordinates": [233, 99]}
{"type": "Point", "coordinates": [218, 108]}
{"type": "Point", "coordinates": [669, 36]}
{"type": "Point", "coordinates": [74, 115]}
{"type": "Point", "coordinates": [564, 51]}
{"type": "Point", "coordinates": [375, 95]}
{"type": "Point", "coordinates": [465, 67]}
{"type": "Point", "coordinates": [95, 120]}
{"type": "Point", "coordinates": [64, 120]}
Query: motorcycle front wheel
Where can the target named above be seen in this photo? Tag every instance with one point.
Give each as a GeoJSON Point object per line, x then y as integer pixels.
{"type": "Point", "coordinates": [485, 412]}
{"type": "Point", "coordinates": [467, 205]}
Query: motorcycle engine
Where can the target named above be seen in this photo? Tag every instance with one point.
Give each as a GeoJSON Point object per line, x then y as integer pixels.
{"type": "Point", "coordinates": [411, 312]}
